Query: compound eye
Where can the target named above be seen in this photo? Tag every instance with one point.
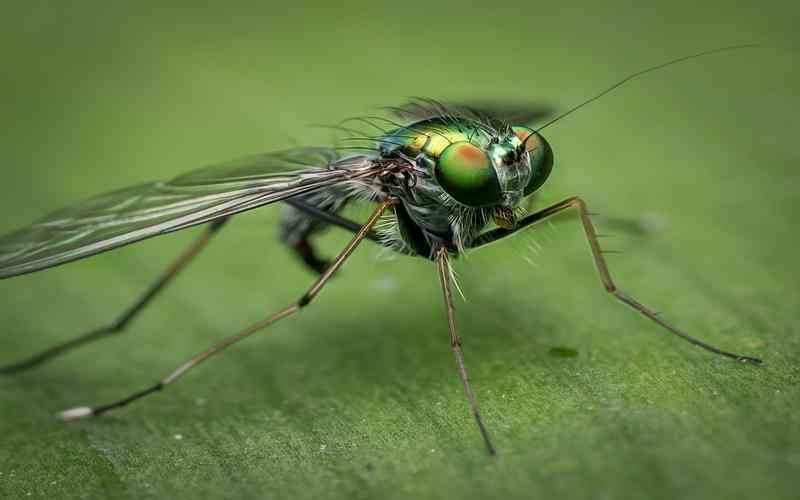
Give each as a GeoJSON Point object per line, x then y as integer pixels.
{"type": "Point", "coordinates": [541, 157]}
{"type": "Point", "coordinates": [466, 173]}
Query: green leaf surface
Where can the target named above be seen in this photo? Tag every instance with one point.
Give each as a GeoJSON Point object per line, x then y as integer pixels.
{"type": "Point", "coordinates": [694, 171]}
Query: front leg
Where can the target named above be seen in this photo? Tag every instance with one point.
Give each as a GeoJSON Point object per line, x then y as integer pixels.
{"type": "Point", "coordinates": [591, 236]}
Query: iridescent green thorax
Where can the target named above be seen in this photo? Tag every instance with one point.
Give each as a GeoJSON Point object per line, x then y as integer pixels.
{"type": "Point", "coordinates": [431, 137]}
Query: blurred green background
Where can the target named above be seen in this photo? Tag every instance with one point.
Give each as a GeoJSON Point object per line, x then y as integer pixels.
{"type": "Point", "coordinates": [358, 396]}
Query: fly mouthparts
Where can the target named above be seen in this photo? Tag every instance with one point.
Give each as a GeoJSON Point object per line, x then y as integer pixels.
{"type": "Point", "coordinates": [504, 217]}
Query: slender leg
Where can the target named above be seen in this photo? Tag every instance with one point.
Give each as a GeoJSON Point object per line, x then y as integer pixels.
{"type": "Point", "coordinates": [578, 204]}
{"type": "Point", "coordinates": [119, 325]}
{"type": "Point", "coordinates": [443, 266]}
{"type": "Point", "coordinates": [304, 300]}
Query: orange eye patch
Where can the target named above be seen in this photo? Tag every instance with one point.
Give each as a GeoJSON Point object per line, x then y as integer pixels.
{"type": "Point", "coordinates": [524, 134]}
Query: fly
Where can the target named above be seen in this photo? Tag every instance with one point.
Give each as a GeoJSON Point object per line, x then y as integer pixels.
{"type": "Point", "coordinates": [439, 179]}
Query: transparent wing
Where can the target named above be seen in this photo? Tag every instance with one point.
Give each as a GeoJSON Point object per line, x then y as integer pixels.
{"type": "Point", "coordinates": [138, 212]}
{"type": "Point", "coordinates": [500, 112]}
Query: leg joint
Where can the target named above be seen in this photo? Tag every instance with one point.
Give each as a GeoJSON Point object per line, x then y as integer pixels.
{"type": "Point", "coordinates": [577, 202]}
{"type": "Point", "coordinates": [116, 327]}
{"type": "Point", "coordinates": [217, 224]}
{"type": "Point", "coordinates": [304, 300]}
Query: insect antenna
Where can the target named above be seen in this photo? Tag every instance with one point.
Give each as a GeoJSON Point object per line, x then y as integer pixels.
{"type": "Point", "coordinates": [638, 74]}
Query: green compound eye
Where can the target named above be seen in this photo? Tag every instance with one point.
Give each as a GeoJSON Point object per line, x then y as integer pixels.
{"type": "Point", "coordinates": [465, 172]}
{"type": "Point", "coordinates": [541, 157]}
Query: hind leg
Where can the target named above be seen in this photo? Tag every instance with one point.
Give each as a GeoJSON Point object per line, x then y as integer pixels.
{"type": "Point", "coordinates": [128, 315]}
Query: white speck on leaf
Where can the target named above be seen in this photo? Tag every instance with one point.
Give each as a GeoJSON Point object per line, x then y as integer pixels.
{"type": "Point", "coordinates": [385, 284]}
{"type": "Point", "coordinates": [653, 222]}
